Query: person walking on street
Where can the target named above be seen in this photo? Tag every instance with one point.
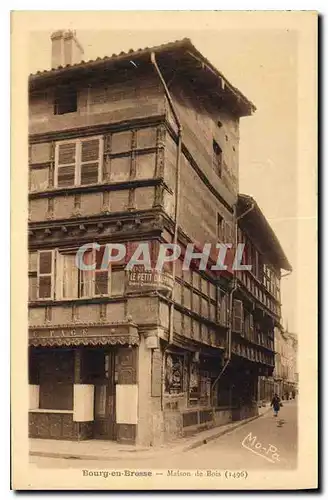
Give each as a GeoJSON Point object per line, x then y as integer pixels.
{"type": "Point", "coordinates": [275, 403]}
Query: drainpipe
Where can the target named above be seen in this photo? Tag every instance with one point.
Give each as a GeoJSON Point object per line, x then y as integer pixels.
{"type": "Point", "coordinates": [177, 204]}
{"type": "Point", "coordinates": [234, 288]}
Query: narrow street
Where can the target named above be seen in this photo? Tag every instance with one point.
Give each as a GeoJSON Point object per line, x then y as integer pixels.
{"type": "Point", "coordinates": [275, 445]}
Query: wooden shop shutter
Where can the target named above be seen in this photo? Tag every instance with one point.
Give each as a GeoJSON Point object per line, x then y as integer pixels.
{"type": "Point", "coordinates": [66, 164]}
{"type": "Point", "coordinates": [237, 316]}
{"type": "Point", "coordinates": [90, 161]}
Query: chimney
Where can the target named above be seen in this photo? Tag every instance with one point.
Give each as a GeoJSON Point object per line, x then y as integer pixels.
{"type": "Point", "coordinates": [65, 48]}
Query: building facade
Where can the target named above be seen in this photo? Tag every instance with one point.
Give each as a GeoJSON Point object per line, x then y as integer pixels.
{"type": "Point", "coordinates": [142, 147]}
{"type": "Point", "coordinates": [285, 372]}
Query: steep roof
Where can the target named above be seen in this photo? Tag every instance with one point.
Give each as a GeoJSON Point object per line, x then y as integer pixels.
{"type": "Point", "coordinates": [260, 231]}
{"type": "Point", "coordinates": [181, 54]}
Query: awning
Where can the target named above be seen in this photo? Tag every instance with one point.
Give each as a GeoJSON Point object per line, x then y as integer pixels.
{"type": "Point", "coordinates": [92, 335]}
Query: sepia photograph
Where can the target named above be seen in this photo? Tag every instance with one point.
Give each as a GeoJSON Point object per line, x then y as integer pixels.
{"type": "Point", "coordinates": [165, 204]}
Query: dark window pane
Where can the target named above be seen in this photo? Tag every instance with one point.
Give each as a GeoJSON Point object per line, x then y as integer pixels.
{"type": "Point", "coordinates": [66, 176]}
{"type": "Point", "coordinates": [217, 158]}
{"type": "Point", "coordinates": [101, 283]}
{"type": "Point", "coordinates": [56, 380]}
{"type": "Point", "coordinates": [220, 227]}
{"type": "Point", "coordinates": [90, 150]}
{"type": "Point", "coordinates": [89, 173]}
{"type": "Point", "coordinates": [65, 101]}
{"type": "Point", "coordinates": [44, 287]}
{"type": "Point", "coordinates": [45, 262]}
{"type": "Point", "coordinates": [66, 153]}
{"type": "Point", "coordinates": [99, 257]}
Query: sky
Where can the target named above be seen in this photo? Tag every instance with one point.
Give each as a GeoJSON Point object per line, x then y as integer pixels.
{"type": "Point", "coordinates": [263, 65]}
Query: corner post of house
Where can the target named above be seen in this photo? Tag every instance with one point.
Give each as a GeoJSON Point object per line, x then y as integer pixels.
{"type": "Point", "coordinates": [150, 421]}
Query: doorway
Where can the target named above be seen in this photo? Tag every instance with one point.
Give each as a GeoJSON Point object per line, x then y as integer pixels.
{"type": "Point", "coordinates": [103, 370]}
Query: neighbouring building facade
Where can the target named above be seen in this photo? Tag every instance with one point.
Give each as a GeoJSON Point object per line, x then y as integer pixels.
{"type": "Point", "coordinates": [285, 373]}
{"type": "Point", "coordinates": [284, 380]}
{"type": "Point", "coordinates": [142, 147]}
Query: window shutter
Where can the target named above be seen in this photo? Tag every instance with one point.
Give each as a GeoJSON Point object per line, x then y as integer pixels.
{"type": "Point", "coordinates": [66, 153]}
{"type": "Point", "coordinates": [238, 316]}
{"type": "Point", "coordinates": [32, 287]}
{"type": "Point", "coordinates": [33, 262]}
{"type": "Point", "coordinates": [69, 276]}
{"type": "Point", "coordinates": [90, 161]}
{"type": "Point", "coordinates": [87, 276]}
{"type": "Point", "coordinates": [59, 276]}
{"type": "Point", "coordinates": [66, 160]}
{"type": "Point", "coordinates": [45, 274]}
{"type": "Point", "coordinates": [66, 176]}
{"type": "Point", "coordinates": [32, 275]}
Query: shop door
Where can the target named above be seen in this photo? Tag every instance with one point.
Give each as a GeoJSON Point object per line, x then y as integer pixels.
{"type": "Point", "coordinates": [104, 410]}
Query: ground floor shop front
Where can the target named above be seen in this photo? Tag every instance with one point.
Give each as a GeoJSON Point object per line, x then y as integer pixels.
{"type": "Point", "coordinates": [141, 392]}
{"type": "Point", "coordinates": [74, 393]}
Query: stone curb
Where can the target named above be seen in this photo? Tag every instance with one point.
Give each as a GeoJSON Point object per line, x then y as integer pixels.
{"type": "Point", "coordinates": [137, 454]}
{"type": "Point", "coordinates": [70, 456]}
{"type": "Point", "coordinates": [201, 442]}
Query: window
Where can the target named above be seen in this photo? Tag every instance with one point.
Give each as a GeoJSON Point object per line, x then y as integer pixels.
{"type": "Point", "coordinates": [220, 228]}
{"type": "Point", "coordinates": [32, 276]}
{"type": "Point", "coordinates": [65, 100]}
{"type": "Point", "coordinates": [217, 158]}
{"type": "Point", "coordinates": [271, 281]}
{"type": "Point", "coordinates": [56, 372]}
{"type": "Point", "coordinates": [238, 316]}
{"type": "Point", "coordinates": [45, 274]}
{"type": "Point", "coordinates": [248, 325]}
{"type": "Point", "coordinates": [78, 163]}
{"type": "Point", "coordinates": [77, 283]}
{"type": "Point", "coordinates": [70, 282]}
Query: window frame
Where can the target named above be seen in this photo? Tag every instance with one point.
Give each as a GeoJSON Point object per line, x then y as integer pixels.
{"type": "Point", "coordinates": [78, 160]}
{"type": "Point", "coordinates": [238, 317]}
{"type": "Point", "coordinates": [57, 277]}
